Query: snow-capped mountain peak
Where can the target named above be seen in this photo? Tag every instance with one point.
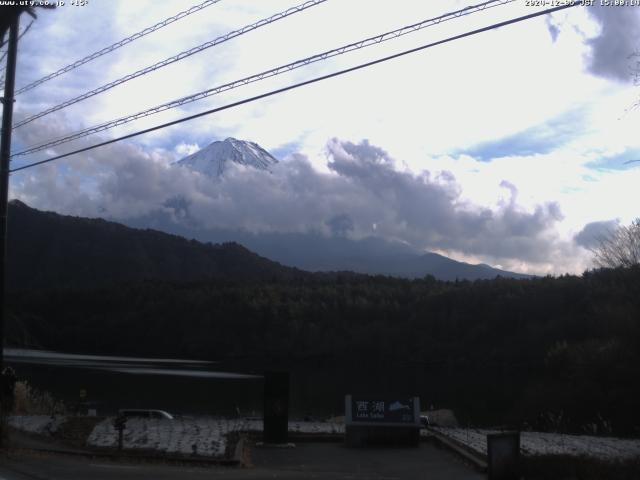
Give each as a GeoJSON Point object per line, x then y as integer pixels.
{"type": "Point", "coordinates": [213, 159]}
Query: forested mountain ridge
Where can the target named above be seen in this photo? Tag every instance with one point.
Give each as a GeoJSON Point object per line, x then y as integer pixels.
{"type": "Point", "coordinates": [47, 250]}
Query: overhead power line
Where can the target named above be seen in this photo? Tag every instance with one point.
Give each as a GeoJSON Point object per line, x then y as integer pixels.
{"type": "Point", "coordinates": [115, 46]}
{"type": "Point", "coordinates": [266, 74]}
{"type": "Point", "coordinates": [174, 58]}
{"type": "Point", "coordinates": [24, 32]}
{"type": "Point", "coordinates": [302, 84]}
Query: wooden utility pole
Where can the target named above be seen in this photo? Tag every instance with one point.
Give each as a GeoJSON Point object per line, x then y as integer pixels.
{"type": "Point", "coordinates": [5, 153]}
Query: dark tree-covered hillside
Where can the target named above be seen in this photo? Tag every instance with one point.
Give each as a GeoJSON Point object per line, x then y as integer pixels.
{"type": "Point", "coordinates": [568, 344]}
{"type": "Point", "coordinates": [50, 250]}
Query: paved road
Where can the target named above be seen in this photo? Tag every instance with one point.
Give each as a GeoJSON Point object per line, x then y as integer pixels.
{"type": "Point", "coordinates": [55, 467]}
{"type": "Point", "coordinates": [328, 461]}
{"type": "Point", "coordinates": [334, 460]}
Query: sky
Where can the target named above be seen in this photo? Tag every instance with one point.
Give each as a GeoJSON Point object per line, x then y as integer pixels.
{"type": "Point", "coordinates": [514, 147]}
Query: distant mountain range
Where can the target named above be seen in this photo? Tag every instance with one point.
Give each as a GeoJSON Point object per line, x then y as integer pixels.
{"type": "Point", "coordinates": [316, 252]}
{"type": "Point", "coordinates": [369, 255]}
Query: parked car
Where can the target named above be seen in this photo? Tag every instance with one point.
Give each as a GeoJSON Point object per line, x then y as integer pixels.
{"type": "Point", "coordinates": [144, 413]}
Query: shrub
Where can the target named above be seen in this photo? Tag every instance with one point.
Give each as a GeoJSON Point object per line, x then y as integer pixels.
{"type": "Point", "coordinates": [31, 401]}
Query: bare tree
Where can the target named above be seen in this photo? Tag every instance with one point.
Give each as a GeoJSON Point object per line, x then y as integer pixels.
{"type": "Point", "coordinates": [620, 248]}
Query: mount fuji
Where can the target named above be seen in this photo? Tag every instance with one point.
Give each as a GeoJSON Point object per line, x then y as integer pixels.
{"type": "Point", "coordinates": [214, 159]}
{"type": "Point", "coordinates": [310, 251]}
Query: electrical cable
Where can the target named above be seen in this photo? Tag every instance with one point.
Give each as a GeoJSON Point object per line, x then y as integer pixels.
{"type": "Point", "coordinates": [266, 74]}
{"type": "Point", "coordinates": [569, 4]}
{"type": "Point", "coordinates": [173, 59]}
{"type": "Point", "coordinates": [115, 46]}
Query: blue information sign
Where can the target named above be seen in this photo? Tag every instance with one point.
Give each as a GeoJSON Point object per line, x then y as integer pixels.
{"type": "Point", "coordinates": [377, 410]}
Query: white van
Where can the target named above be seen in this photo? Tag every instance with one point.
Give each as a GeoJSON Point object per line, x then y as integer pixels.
{"type": "Point", "coordinates": [144, 413]}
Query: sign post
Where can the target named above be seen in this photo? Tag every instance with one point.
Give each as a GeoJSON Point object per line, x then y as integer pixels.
{"type": "Point", "coordinates": [120, 423]}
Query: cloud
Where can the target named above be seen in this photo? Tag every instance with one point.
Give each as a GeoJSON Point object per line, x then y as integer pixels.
{"type": "Point", "coordinates": [592, 233]}
{"type": "Point", "coordinates": [554, 30]}
{"type": "Point", "coordinates": [183, 149]}
{"type": "Point", "coordinates": [619, 38]}
{"type": "Point", "coordinates": [427, 210]}
{"type": "Point", "coordinates": [340, 225]}
{"type": "Point", "coordinates": [363, 188]}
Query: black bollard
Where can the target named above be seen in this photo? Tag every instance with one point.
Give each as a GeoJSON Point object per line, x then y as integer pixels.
{"type": "Point", "coordinates": [276, 407]}
{"type": "Point", "coordinates": [503, 455]}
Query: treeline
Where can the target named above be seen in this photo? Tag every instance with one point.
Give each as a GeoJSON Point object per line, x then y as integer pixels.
{"type": "Point", "coordinates": [569, 346]}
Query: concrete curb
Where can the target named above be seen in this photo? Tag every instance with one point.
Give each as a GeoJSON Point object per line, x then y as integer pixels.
{"type": "Point", "coordinates": [300, 436]}
{"type": "Point", "coordinates": [133, 455]}
{"type": "Point", "coordinates": [316, 437]}
{"type": "Point", "coordinates": [478, 461]}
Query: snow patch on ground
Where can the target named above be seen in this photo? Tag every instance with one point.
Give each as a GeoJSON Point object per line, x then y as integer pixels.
{"type": "Point", "coordinates": [41, 424]}
{"type": "Point", "coordinates": [538, 443]}
{"type": "Point", "coordinates": [205, 436]}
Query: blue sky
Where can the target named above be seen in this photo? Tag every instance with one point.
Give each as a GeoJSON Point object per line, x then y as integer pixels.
{"type": "Point", "coordinates": [543, 138]}
{"type": "Point", "coordinates": [517, 137]}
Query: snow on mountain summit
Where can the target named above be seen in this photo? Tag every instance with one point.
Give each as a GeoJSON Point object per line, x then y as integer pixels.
{"type": "Point", "coordinates": [212, 160]}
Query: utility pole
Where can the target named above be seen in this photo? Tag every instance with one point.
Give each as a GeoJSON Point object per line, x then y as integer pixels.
{"type": "Point", "coordinates": [5, 153]}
